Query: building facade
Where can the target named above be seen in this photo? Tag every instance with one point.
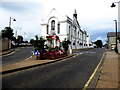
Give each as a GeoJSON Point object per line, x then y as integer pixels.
{"type": "Point", "coordinates": [111, 36]}
{"type": "Point", "coordinates": [66, 29]}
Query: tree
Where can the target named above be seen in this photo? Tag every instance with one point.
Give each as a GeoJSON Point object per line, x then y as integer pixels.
{"type": "Point", "coordinates": [65, 44]}
{"type": "Point", "coordinates": [99, 43]}
{"type": "Point", "coordinates": [8, 32]}
{"type": "Point", "coordinates": [31, 41]}
{"type": "Point", "coordinates": [36, 43]}
{"type": "Point", "coordinates": [39, 45]}
{"type": "Point", "coordinates": [20, 39]}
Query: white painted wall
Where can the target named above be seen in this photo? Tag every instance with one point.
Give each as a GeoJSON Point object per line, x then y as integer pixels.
{"type": "Point", "coordinates": [64, 30]}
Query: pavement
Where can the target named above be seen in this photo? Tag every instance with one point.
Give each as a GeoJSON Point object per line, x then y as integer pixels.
{"type": "Point", "coordinates": [108, 77]}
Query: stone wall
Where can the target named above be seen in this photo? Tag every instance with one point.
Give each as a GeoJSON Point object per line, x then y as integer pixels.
{"type": "Point", "coordinates": [4, 44]}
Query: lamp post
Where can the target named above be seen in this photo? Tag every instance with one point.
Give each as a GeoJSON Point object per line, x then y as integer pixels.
{"type": "Point", "coordinates": [116, 49]}
{"type": "Point", "coordinates": [113, 5]}
{"type": "Point", "coordinates": [10, 21]}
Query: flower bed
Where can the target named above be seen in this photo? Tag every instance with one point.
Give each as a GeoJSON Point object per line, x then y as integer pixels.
{"type": "Point", "coordinates": [52, 54]}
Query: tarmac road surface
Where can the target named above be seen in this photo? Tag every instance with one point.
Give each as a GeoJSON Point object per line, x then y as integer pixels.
{"type": "Point", "coordinates": [19, 55]}
{"type": "Point", "coordinates": [71, 73]}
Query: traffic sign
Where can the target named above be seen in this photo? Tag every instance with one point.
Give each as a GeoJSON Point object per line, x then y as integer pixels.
{"type": "Point", "coordinates": [53, 36]}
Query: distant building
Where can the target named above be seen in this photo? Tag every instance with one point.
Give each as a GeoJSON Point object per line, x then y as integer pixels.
{"type": "Point", "coordinates": [65, 28]}
{"type": "Point", "coordinates": [112, 39]}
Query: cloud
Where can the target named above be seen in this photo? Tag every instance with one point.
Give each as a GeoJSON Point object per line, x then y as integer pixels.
{"type": "Point", "coordinates": [27, 15]}
{"type": "Point", "coordinates": [96, 17]}
{"type": "Point", "coordinates": [17, 7]}
{"type": "Point", "coordinates": [21, 7]}
{"type": "Point", "coordinates": [99, 37]}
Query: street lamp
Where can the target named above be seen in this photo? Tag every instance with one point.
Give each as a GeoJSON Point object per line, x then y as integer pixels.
{"type": "Point", "coordinates": [116, 49]}
{"type": "Point", "coordinates": [10, 21]}
{"type": "Point", "coordinates": [113, 5]}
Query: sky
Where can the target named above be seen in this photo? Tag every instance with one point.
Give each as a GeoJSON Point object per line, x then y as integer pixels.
{"type": "Point", "coordinates": [94, 16]}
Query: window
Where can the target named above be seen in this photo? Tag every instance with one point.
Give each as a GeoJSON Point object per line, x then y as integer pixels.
{"type": "Point", "coordinates": [47, 29]}
{"type": "Point", "coordinates": [78, 34]}
{"type": "Point", "coordinates": [53, 25]}
{"type": "Point", "coordinates": [58, 28]}
{"type": "Point", "coordinates": [69, 31]}
{"type": "Point", "coordinates": [74, 33]}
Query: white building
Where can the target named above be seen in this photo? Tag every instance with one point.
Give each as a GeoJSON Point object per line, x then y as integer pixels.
{"type": "Point", "coordinates": [64, 28]}
{"type": "Point", "coordinates": [89, 42]}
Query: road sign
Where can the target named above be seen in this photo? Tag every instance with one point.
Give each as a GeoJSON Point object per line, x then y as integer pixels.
{"type": "Point", "coordinates": [53, 36]}
{"type": "Point", "coordinates": [36, 53]}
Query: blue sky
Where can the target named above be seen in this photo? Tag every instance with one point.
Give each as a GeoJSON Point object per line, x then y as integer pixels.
{"type": "Point", "coordinates": [94, 16]}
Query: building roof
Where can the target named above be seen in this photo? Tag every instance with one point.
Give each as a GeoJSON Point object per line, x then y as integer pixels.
{"type": "Point", "coordinates": [112, 34]}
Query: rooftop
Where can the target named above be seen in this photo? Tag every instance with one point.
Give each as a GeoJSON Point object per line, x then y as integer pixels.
{"type": "Point", "coordinates": [112, 34]}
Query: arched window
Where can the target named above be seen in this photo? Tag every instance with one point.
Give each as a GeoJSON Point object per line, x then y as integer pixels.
{"type": "Point", "coordinates": [53, 25]}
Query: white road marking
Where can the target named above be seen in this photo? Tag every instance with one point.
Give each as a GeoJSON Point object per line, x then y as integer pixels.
{"type": "Point", "coordinates": [29, 57]}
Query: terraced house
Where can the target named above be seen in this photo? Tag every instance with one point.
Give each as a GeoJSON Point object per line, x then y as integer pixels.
{"type": "Point", "coordinates": [112, 40]}
{"type": "Point", "coordinates": [65, 28]}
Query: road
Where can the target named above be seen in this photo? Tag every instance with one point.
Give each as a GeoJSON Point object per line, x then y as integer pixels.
{"type": "Point", "coordinates": [70, 73]}
{"type": "Point", "coordinates": [19, 55]}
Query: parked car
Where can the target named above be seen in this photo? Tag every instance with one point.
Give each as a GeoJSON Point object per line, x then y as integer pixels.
{"type": "Point", "coordinates": [112, 48]}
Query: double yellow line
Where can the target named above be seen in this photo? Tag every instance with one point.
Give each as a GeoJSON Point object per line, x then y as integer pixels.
{"type": "Point", "coordinates": [93, 74]}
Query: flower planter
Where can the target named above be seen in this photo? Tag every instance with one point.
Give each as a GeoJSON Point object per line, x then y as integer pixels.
{"type": "Point", "coordinates": [53, 55]}
{"type": "Point", "coordinates": [62, 53]}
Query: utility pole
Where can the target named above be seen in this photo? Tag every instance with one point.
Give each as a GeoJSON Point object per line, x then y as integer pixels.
{"type": "Point", "coordinates": [116, 49]}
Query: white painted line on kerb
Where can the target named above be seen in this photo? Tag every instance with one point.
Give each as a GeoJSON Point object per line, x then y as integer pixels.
{"type": "Point", "coordinates": [80, 53]}
{"type": "Point", "coordinates": [88, 82]}
{"type": "Point", "coordinates": [29, 57]}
